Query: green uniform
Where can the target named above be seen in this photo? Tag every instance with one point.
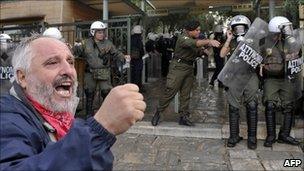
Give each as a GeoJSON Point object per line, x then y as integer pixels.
{"type": "Point", "coordinates": [99, 56]}
{"type": "Point", "coordinates": [234, 96]}
{"type": "Point", "coordinates": [281, 90]}
{"type": "Point", "coordinates": [277, 88]}
{"type": "Point", "coordinates": [180, 77]}
{"type": "Point", "coordinates": [99, 59]}
{"type": "Point", "coordinates": [249, 94]}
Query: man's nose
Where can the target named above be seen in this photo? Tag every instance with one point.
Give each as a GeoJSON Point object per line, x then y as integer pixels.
{"type": "Point", "coordinates": [67, 69]}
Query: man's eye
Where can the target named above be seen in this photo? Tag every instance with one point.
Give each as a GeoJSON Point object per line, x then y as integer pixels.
{"type": "Point", "coordinates": [71, 62]}
{"type": "Point", "coordinates": [52, 63]}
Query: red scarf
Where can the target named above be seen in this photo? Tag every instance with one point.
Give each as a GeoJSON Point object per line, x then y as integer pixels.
{"type": "Point", "coordinates": [61, 121]}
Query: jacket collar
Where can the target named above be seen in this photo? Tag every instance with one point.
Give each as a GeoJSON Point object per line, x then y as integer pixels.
{"type": "Point", "coordinates": [17, 92]}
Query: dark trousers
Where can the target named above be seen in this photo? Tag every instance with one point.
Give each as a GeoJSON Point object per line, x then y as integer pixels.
{"type": "Point", "coordinates": [165, 62]}
{"type": "Point", "coordinates": [136, 72]}
{"type": "Point", "coordinates": [219, 64]}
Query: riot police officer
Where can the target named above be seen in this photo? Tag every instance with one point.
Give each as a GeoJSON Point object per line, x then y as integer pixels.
{"type": "Point", "coordinates": [53, 32]}
{"type": "Point", "coordinates": [100, 54]}
{"type": "Point", "coordinates": [181, 77]}
{"type": "Point", "coordinates": [6, 68]}
{"type": "Point", "coordinates": [280, 85]}
{"type": "Point", "coordinates": [239, 25]}
{"type": "Point", "coordinates": [137, 52]}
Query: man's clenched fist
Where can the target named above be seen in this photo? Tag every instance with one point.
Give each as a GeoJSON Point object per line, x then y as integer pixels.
{"type": "Point", "coordinates": [123, 106]}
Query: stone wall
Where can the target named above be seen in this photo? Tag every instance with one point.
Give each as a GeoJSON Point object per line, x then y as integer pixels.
{"type": "Point", "coordinates": [49, 11]}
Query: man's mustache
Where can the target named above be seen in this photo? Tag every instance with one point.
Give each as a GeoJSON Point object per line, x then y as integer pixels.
{"type": "Point", "coordinates": [64, 78]}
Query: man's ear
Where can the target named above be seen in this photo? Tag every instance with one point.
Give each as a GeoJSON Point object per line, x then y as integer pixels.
{"type": "Point", "coordinates": [21, 78]}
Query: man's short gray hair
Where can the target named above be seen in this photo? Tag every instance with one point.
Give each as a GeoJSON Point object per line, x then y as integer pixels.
{"type": "Point", "coordinates": [22, 57]}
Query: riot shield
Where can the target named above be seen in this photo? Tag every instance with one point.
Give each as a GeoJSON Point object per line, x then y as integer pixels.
{"type": "Point", "coordinates": [244, 60]}
{"type": "Point", "coordinates": [293, 61]}
{"type": "Point", "coordinates": [6, 68]}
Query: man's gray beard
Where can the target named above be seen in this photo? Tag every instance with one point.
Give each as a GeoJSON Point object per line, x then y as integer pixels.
{"type": "Point", "coordinates": [43, 94]}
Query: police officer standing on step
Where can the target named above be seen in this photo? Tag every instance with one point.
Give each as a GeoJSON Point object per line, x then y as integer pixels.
{"type": "Point", "coordinates": [239, 26]}
{"type": "Point", "coordinates": [6, 68]}
{"type": "Point", "coordinates": [219, 61]}
{"type": "Point", "coordinates": [137, 52]}
{"type": "Point", "coordinates": [100, 54]}
{"type": "Point", "coordinates": [181, 77]}
{"type": "Point", "coordinates": [279, 86]}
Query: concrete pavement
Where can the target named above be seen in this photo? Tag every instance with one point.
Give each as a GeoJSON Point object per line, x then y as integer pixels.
{"type": "Point", "coordinates": [154, 152]}
{"type": "Point", "coordinates": [170, 146]}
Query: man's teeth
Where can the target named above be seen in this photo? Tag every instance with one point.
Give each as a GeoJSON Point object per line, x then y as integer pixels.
{"type": "Point", "coordinates": [66, 84]}
{"type": "Point", "coordinates": [64, 92]}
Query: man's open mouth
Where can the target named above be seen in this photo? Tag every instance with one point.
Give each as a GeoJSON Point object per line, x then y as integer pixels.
{"type": "Point", "coordinates": [64, 89]}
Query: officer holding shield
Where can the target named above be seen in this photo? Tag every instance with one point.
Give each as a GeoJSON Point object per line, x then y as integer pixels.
{"type": "Point", "coordinates": [100, 54]}
{"type": "Point", "coordinates": [6, 68]}
{"type": "Point", "coordinates": [239, 26]}
{"type": "Point", "coordinates": [281, 71]}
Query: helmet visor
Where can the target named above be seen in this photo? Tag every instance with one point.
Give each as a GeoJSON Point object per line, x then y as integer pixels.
{"type": "Point", "coordinates": [6, 41]}
{"type": "Point", "coordinates": [239, 30]}
{"type": "Point", "coordinates": [286, 28]}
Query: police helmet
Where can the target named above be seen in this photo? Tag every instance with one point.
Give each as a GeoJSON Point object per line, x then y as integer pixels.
{"type": "Point", "coordinates": [97, 25]}
{"type": "Point", "coordinates": [53, 32]}
{"type": "Point", "coordinates": [5, 38]}
{"type": "Point", "coordinates": [151, 36]}
{"type": "Point", "coordinates": [137, 29]}
{"type": "Point", "coordinates": [280, 24]}
{"type": "Point", "coordinates": [239, 25]}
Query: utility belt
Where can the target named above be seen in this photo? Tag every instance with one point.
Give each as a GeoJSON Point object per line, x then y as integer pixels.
{"type": "Point", "coordinates": [180, 60]}
{"type": "Point", "coordinates": [101, 74]}
{"type": "Point", "coordinates": [274, 76]}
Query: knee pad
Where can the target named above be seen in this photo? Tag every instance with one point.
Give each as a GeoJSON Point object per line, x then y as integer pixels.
{"type": "Point", "coordinates": [233, 109]}
{"type": "Point", "coordinates": [252, 105]}
{"type": "Point", "coordinates": [288, 108]}
{"type": "Point", "coordinates": [270, 105]}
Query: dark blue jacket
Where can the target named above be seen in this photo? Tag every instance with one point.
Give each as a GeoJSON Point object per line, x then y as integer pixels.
{"type": "Point", "coordinates": [26, 145]}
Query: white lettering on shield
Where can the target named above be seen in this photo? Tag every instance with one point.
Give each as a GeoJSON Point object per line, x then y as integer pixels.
{"type": "Point", "coordinates": [295, 66]}
{"type": "Point", "coordinates": [6, 73]}
{"type": "Point", "coordinates": [250, 56]}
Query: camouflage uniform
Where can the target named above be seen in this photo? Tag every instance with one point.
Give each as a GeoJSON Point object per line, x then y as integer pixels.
{"type": "Point", "coordinates": [100, 57]}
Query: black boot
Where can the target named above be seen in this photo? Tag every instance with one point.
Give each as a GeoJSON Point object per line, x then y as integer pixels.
{"type": "Point", "coordinates": [211, 84]}
{"type": "Point", "coordinates": [156, 118]}
{"type": "Point", "coordinates": [284, 135]}
{"type": "Point", "coordinates": [89, 103]}
{"type": "Point", "coordinates": [220, 84]}
{"type": "Point", "coordinates": [185, 119]}
{"type": "Point", "coordinates": [270, 124]}
{"type": "Point", "coordinates": [252, 121]}
{"type": "Point", "coordinates": [234, 126]}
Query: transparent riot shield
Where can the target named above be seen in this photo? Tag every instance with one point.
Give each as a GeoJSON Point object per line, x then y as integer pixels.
{"type": "Point", "coordinates": [6, 68]}
{"type": "Point", "coordinates": [293, 60]}
{"type": "Point", "coordinates": [244, 60]}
